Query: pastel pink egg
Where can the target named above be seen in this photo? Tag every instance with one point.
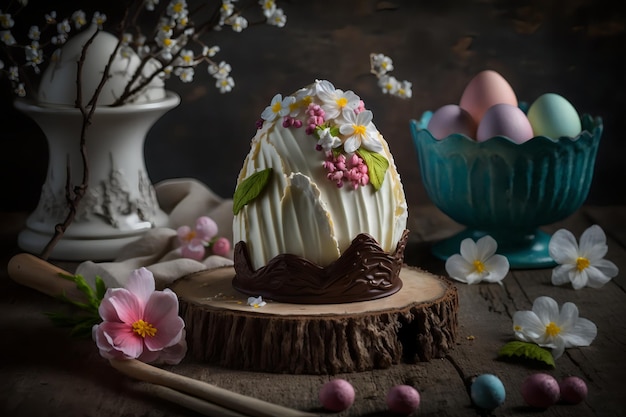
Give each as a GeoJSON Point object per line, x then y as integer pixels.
{"type": "Point", "coordinates": [450, 119]}
{"type": "Point", "coordinates": [403, 399]}
{"type": "Point", "coordinates": [486, 89]}
{"type": "Point", "coordinates": [541, 390]}
{"type": "Point", "coordinates": [337, 395]}
{"type": "Point", "coordinates": [504, 120]}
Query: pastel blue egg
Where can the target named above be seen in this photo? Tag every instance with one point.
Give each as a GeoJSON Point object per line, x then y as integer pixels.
{"type": "Point", "coordinates": [551, 115]}
{"type": "Point", "coordinates": [487, 391]}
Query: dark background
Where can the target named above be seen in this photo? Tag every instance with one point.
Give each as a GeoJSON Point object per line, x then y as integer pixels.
{"type": "Point", "coordinates": [573, 48]}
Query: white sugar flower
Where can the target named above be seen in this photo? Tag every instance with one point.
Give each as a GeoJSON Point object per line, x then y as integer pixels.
{"type": "Point", "coordinates": [256, 302]}
{"type": "Point", "coordinates": [185, 74]}
{"type": "Point", "coordinates": [186, 57]}
{"type": "Point", "coordinates": [210, 51]}
{"type": "Point", "coordinates": [64, 27]}
{"type": "Point", "coordinates": [327, 141]}
{"type": "Point", "coordinates": [225, 85]}
{"type": "Point", "coordinates": [359, 131]}
{"type": "Point", "coordinates": [584, 264]}
{"type": "Point", "coordinates": [335, 101]}
{"type": "Point", "coordinates": [177, 9]}
{"type": "Point", "coordinates": [51, 17]}
{"type": "Point", "coordinates": [219, 71]}
{"type": "Point", "coordinates": [478, 262]}
{"type": "Point", "coordinates": [279, 107]}
{"type": "Point", "coordinates": [548, 327]}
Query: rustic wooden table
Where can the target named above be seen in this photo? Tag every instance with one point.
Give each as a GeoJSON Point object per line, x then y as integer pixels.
{"type": "Point", "coordinates": [45, 372]}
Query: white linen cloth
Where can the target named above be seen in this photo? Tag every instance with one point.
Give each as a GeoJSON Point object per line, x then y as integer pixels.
{"type": "Point", "coordinates": [158, 250]}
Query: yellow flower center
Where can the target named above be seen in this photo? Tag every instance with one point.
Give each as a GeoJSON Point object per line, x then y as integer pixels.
{"type": "Point", "coordinates": [581, 263]}
{"type": "Point", "coordinates": [552, 329]}
{"type": "Point", "coordinates": [178, 7]}
{"type": "Point", "coordinates": [517, 328]}
{"type": "Point", "coordinates": [167, 42]}
{"type": "Point", "coordinates": [276, 107]}
{"type": "Point", "coordinates": [144, 329]}
{"type": "Point", "coordinates": [479, 266]}
{"type": "Point", "coordinates": [341, 102]}
{"type": "Point", "coordinates": [359, 130]}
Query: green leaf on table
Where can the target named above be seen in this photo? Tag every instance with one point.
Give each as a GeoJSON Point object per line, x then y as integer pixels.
{"type": "Point", "coordinates": [377, 165]}
{"type": "Point", "coordinates": [250, 188]}
{"type": "Point", "coordinates": [528, 351]}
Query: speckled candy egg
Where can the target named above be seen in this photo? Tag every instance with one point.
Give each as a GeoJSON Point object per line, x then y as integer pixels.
{"type": "Point", "coordinates": [403, 399]}
{"type": "Point", "coordinates": [573, 390]}
{"type": "Point", "coordinates": [337, 395]}
{"type": "Point", "coordinates": [487, 391]}
{"type": "Point", "coordinates": [540, 390]}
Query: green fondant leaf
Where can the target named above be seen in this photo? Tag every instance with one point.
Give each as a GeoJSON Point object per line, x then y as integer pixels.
{"type": "Point", "coordinates": [376, 166]}
{"type": "Point", "coordinates": [250, 188]}
{"type": "Point", "coordinates": [528, 351]}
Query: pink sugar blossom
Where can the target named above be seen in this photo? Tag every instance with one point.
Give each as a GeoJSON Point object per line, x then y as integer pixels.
{"type": "Point", "coordinates": [140, 323]}
{"type": "Point", "coordinates": [341, 169]}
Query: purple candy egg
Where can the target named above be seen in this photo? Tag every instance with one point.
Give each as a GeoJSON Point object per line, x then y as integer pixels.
{"type": "Point", "coordinates": [541, 390]}
{"type": "Point", "coordinates": [573, 390]}
{"type": "Point", "coordinates": [337, 395]}
{"type": "Point", "coordinates": [403, 399]}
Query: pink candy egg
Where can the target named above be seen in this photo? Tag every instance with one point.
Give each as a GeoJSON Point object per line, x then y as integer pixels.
{"type": "Point", "coordinates": [337, 395]}
{"type": "Point", "coordinates": [573, 390]}
{"type": "Point", "coordinates": [540, 390]}
{"type": "Point", "coordinates": [504, 120]}
{"type": "Point", "coordinates": [403, 399]}
{"type": "Point", "coordinates": [483, 91]}
{"type": "Point", "coordinates": [451, 119]}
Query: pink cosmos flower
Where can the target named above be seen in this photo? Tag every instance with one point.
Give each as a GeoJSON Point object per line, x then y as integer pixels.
{"type": "Point", "coordinates": [140, 323]}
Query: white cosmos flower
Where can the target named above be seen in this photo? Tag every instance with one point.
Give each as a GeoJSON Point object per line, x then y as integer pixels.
{"type": "Point", "coordinates": [584, 264]}
{"type": "Point", "coordinates": [478, 262]}
{"type": "Point", "coordinates": [334, 102]}
{"type": "Point", "coordinates": [278, 107]}
{"type": "Point", "coordinates": [359, 131]}
{"type": "Point", "coordinates": [546, 326]}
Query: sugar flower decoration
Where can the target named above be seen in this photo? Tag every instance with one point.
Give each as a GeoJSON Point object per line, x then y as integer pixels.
{"type": "Point", "coordinates": [256, 302]}
{"type": "Point", "coordinates": [478, 262]}
{"type": "Point", "coordinates": [548, 327]}
{"type": "Point", "coordinates": [350, 146]}
{"type": "Point", "coordinates": [140, 323]}
{"type": "Point", "coordinates": [581, 264]}
{"type": "Point", "coordinates": [194, 242]}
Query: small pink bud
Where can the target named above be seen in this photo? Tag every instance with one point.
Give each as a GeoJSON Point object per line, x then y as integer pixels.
{"type": "Point", "coordinates": [221, 246]}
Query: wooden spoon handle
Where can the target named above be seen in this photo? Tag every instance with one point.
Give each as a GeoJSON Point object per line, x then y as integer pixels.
{"type": "Point", "coordinates": [231, 400]}
{"type": "Point", "coordinates": [34, 272]}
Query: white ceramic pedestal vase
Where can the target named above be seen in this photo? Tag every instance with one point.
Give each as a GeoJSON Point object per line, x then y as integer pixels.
{"type": "Point", "coordinates": [120, 203]}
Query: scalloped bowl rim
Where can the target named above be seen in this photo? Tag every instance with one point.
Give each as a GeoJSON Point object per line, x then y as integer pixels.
{"type": "Point", "coordinates": [587, 120]}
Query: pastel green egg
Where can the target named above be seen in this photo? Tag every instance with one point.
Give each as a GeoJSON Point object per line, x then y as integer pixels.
{"type": "Point", "coordinates": [553, 116]}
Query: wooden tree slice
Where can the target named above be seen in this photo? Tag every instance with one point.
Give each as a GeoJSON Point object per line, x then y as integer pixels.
{"type": "Point", "coordinates": [418, 323]}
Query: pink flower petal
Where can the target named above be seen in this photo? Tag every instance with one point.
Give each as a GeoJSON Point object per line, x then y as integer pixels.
{"type": "Point", "coordinates": [121, 337]}
{"type": "Point", "coordinates": [106, 310]}
{"type": "Point", "coordinates": [141, 283]}
{"type": "Point", "coordinates": [162, 313]}
{"type": "Point", "coordinates": [206, 228]}
{"type": "Point", "coordinates": [127, 307]}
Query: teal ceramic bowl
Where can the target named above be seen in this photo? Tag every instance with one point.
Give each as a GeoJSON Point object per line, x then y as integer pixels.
{"type": "Point", "coordinates": [507, 190]}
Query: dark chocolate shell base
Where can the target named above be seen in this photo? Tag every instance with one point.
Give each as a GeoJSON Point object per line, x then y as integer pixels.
{"type": "Point", "coordinates": [363, 272]}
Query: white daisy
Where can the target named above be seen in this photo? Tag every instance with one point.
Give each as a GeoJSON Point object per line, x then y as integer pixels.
{"type": "Point", "coordinates": [478, 262]}
{"type": "Point", "coordinates": [582, 265]}
{"type": "Point", "coordinates": [546, 326]}
{"type": "Point", "coordinates": [359, 131]}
